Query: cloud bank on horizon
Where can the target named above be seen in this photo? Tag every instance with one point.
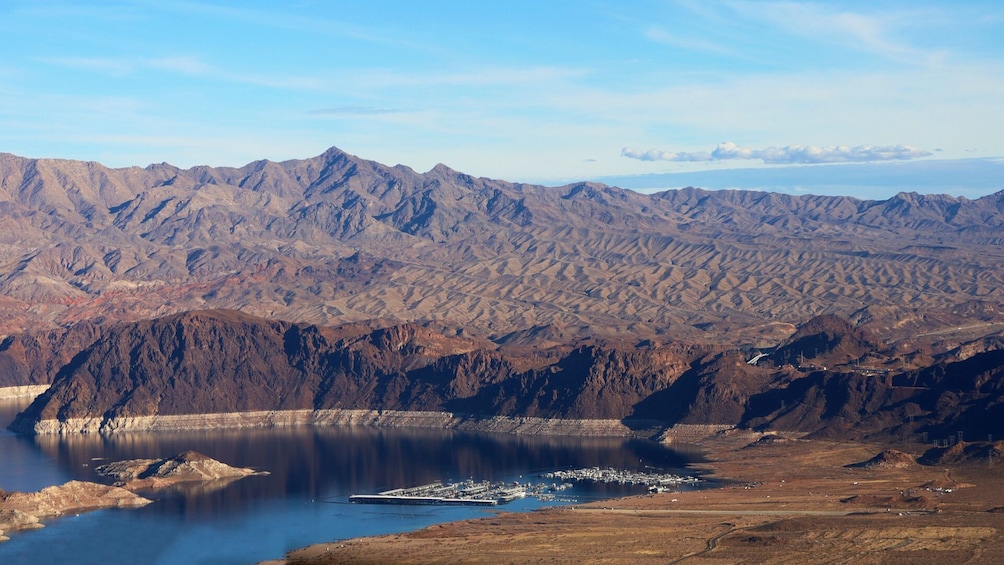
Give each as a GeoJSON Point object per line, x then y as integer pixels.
{"type": "Point", "coordinates": [523, 91]}
{"type": "Point", "coordinates": [788, 155]}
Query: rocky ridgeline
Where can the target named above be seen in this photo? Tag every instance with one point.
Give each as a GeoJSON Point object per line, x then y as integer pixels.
{"type": "Point", "coordinates": [220, 369]}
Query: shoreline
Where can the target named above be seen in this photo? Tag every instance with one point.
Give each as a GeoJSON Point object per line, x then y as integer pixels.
{"type": "Point", "coordinates": [803, 501]}
{"type": "Point", "coordinates": [658, 431]}
{"type": "Point", "coordinates": [24, 391]}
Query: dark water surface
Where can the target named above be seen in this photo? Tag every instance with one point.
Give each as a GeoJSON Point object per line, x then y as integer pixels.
{"type": "Point", "coordinates": [303, 500]}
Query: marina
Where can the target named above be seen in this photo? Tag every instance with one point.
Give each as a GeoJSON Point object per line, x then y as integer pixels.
{"type": "Point", "coordinates": [655, 482]}
{"type": "Point", "coordinates": [487, 493]}
{"type": "Point", "coordinates": [467, 493]}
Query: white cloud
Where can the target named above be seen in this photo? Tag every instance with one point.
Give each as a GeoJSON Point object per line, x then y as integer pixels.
{"type": "Point", "coordinates": [729, 150]}
{"type": "Point", "coordinates": [657, 155]}
{"type": "Point", "coordinates": [788, 155]}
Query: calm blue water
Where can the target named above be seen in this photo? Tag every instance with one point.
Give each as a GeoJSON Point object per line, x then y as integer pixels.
{"type": "Point", "coordinates": [303, 500]}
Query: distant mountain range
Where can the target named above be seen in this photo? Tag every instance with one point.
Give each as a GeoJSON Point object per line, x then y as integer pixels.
{"type": "Point", "coordinates": [337, 239]}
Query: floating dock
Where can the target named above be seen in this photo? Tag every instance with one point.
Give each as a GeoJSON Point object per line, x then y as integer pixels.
{"type": "Point", "coordinates": [430, 500]}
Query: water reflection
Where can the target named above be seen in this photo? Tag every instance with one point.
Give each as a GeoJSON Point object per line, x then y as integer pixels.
{"type": "Point", "coordinates": [23, 467]}
{"type": "Point", "coordinates": [322, 463]}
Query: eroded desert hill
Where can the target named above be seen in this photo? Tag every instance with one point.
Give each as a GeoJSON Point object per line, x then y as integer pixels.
{"type": "Point", "coordinates": [336, 239]}
{"type": "Point", "coordinates": [224, 362]}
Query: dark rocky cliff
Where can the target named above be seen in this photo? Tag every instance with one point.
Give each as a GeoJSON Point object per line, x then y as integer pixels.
{"type": "Point", "coordinates": [213, 362]}
{"type": "Point", "coordinates": [222, 361]}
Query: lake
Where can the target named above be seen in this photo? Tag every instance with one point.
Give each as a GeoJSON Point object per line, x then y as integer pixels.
{"type": "Point", "coordinates": [304, 499]}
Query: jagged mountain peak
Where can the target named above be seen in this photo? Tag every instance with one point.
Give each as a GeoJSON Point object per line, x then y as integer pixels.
{"type": "Point", "coordinates": [442, 169]}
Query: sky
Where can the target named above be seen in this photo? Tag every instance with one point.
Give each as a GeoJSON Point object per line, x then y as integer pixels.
{"type": "Point", "coordinates": [545, 92]}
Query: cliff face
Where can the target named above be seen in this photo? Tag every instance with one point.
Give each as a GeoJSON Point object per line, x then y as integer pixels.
{"type": "Point", "coordinates": [716, 389]}
{"type": "Point", "coordinates": [217, 362]}
{"type": "Point", "coordinates": [33, 358]}
{"type": "Point", "coordinates": [190, 363]}
{"type": "Point", "coordinates": [223, 368]}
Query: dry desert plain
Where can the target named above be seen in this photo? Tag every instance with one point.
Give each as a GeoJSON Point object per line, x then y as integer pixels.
{"type": "Point", "coordinates": [788, 501]}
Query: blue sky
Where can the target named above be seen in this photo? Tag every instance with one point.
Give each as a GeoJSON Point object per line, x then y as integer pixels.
{"type": "Point", "coordinates": [525, 91]}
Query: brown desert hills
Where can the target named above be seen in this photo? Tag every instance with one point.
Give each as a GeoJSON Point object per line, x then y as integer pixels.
{"type": "Point", "coordinates": [336, 239]}
{"type": "Point", "coordinates": [336, 283]}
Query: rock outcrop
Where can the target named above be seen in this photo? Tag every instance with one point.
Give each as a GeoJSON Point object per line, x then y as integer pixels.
{"type": "Point", "coordinates": [964, 452]}
{"type": "Point", "coordinates": [827, 341]}
{"type": "Point", "coordinates": [188, 466]}
{"type": "Point", "coordinates": [888, 459]}
{"type": "Point", "coordinates": [25, 510]}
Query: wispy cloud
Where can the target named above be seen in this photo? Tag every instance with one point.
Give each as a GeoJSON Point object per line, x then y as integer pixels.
{"type": "Point", "coordinates": [788, 155]}
{"type": "Point", "coordinates": [703, 45]}
{"type": "Point", "coordinates": [193, 66]}
{"type": "Point", "coordinates": [285, 18]}
{"type": "Point", "coordinates": [187, 65]}
{"type": "Point", "coordinates": [105, 65]}
{"type": "Point", "coordinates": [352, 111]}
{"type": "Point", "coordinates": [488, 76]}
{"type": "Point", "coordinates": [184, 65]}
{"type": "Point", "coordinates": [874, 32]}
{"type": "Point", "coordinates": [119, 66]}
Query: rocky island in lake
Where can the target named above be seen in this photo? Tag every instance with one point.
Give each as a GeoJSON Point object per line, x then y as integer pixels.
{"type": "Point", "coordinates": [26, 510]}
{"type": "Point", "coordinates": [189, 466]}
